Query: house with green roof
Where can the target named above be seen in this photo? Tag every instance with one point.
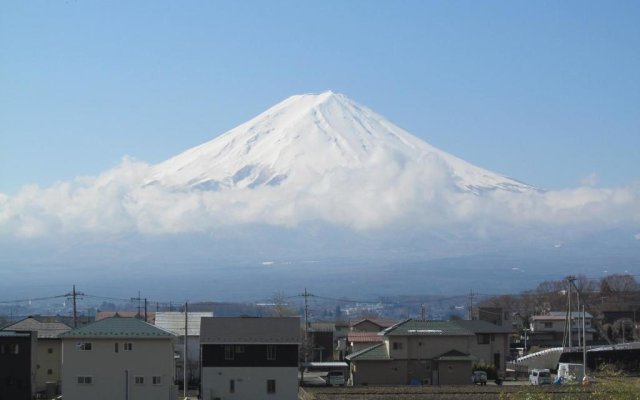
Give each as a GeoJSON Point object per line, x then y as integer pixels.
{"type": "Point", "coordinates": [423, 352]}
{"type": "Point", "coordinates": [118, 358]}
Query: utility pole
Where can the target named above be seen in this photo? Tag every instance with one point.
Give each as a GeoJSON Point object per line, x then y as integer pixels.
{"type": "Point", "coordinates": [423, 313]}
{"type": "Point", "coordinates": [74, 295]}
{"type": "Point", "coordinates": [470, 304]}
{"type": "Point", "coordinates": [570, 278]}
{"type": "Point", "coordinates": [139, 299]}
{"type": "Point", "coordinates": [186, 356]}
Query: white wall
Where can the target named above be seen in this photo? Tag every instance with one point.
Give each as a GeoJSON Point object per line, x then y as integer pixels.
{"type": "Point", "coordinates": [250, 383]}
{"type": "Point", "coordinates": [149, 357]}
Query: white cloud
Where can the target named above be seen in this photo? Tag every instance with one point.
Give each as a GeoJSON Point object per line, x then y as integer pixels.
{"type": "Point", "coordinates": [387, 193]}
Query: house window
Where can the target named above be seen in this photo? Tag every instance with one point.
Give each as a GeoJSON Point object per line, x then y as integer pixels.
{"type": "Point", "coordinates": [49, 371]}
{"type": "Point", "coordinates": [15, 349]}
{"type": "Point", "coordinates": [139, 380]}
{"type": "Point", "coordinates": [128, 346]}
{"type": "Point", "coordinates": [232, 386]}
{"type": "Point", "coordinates": [240, 349]}
{"type": "Point", "coordinates": [397, 345]}
{"type": "Point", "coordinates": [484, 338]}
{"type": "Point", "coordinates": [228, 353]}
{"type": "Point", "coordinates": [271, 352]}
{"type": "Point", "coordinates": [85, 380]}
{"type": "Point", "coordinates": [271, 385]}
{"type": "Point", "coordinates": [548, 325]}
{"type": "Point", "coordinates": [83, 346]}
{"type": "Point", "coordinates": [115, 347]}
{"type": "Point", "coordinates": [50, 350]}
{"type": "Point", "coordinates": [3, 349]}
{"type": "Point", "coordinates": [156, 380]}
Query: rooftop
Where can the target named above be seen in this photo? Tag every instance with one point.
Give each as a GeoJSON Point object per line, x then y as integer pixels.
{"type": "Point", "coordinates": [46, 330]}
{"type": "Point", "coordinates": [413, 327]}
{"type": "Point", "coordinates": [249, 330]}
{"type": "Point", "coordinates": [374, 353]}
{"type": "Point", "coordinates": [479, 326]}
{"type": "Point", "coordinates": [173, 321]}
{"type": "Point", "coordinates": [118, 327]}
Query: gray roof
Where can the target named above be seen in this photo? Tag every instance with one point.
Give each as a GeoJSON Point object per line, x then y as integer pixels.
{"type": "Point", "coordinates": [46, 330]}
{"type": "Point", "coordinates": [247, 330]}
{"type": "Point", "coordinates": [376, 352]}
{"type": "Point", "coordinates": [118, 327]}
{"type": "Point", "coordinates": [479, 326]}
{"type": "Point", "coordinates": [413, 327]}
{"type": "Point", "coordinates": [173, 321]}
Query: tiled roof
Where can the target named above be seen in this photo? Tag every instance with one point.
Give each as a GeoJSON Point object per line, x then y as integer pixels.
{"type": "Point", "coordinates": [376, 352]}
{"type": "Point", "coordinates": [247, 330]}
{"type": "Point", "coordinates": [322, 327]}
{"type": "Point", "coordinates": [382, 323]}
{"type": "Point", "coordinates": [479, 326]}
{"type": "Point", "coordinates": [151, 315]}
{"type": "Point", "coordinates": [427, 328]}
{"type": "Point", "coordinates": [364, 337]}
{"type": "Point", "coordinates": [46, 330]}
{"type": "Point", "coordinates": [118, 327]}
{"type": "Point", "coordinates": [173, 321]}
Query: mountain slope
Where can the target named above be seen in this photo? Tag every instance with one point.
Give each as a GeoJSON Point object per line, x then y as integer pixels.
{"type": "Point", "coordinates": [306, 136]}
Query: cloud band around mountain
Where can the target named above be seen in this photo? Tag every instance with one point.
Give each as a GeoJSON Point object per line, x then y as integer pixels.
{"type": "Point", "coordinates": [386, 193]}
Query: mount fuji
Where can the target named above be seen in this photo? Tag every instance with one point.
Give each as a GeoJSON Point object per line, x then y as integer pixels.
{"type": "Point", "coordinates": [304, 137]}
{"type": "Point", "coordinates": [317, 191]}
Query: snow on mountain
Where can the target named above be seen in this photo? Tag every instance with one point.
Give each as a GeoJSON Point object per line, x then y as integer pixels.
{"type": "Point", "coordinates": [306, 136]}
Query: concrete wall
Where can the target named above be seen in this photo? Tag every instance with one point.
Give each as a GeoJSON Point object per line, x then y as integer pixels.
{"type": "Point", "coordinates": [485, 352]}
{"type": "Point", "coordinates": [454, 373]}
{"type": "Point", "coordinates": [111, 371]}
{"type": "Point", "coordinates": [249, 383]}
{"type": "Point", "coordinates": [48, 361]}
{"type": "Point", "coordinates": [379, 373]}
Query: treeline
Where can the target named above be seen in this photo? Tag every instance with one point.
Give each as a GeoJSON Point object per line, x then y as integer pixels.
{"type": "Point", "coordinates": [613, 300]}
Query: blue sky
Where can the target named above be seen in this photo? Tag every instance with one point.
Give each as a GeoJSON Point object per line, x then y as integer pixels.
{"type": "Point", "coordinates": [545, 92]}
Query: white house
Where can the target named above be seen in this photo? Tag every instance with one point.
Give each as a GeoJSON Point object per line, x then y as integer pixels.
{"type": "Point", "coordinates": [249, 358]}
{"type": "Point", "coordinates": [118, 358]}
{"type": "Point", "coordinates": [174, 322]}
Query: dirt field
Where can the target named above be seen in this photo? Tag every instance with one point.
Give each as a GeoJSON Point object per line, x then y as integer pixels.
{"type": "Point", "coordinates": [437, 392]}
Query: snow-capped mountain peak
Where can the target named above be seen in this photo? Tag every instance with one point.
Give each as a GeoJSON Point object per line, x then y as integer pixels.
{"type": "Point", "coordinates": [304, 137]}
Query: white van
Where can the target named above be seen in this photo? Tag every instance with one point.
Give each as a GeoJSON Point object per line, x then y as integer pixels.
{"type": "Point", "coordinates": [540, 377]}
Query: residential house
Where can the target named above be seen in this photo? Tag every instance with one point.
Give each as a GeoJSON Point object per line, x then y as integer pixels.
{"type": "Point", "coordinates": [48, 351]}
{"type": "Point", "coordinates": [249, 358]}
{"type": "Point", "coordinates": [118, 358]}
{"type": "Point", "coordinates": [321, 341]}
{"type": "Point", "coordinates": [150, 315]}
{"type": "Point", "coordinates": [428, 352]}
{"type": "Point", "coordinates": [549, 330]}
{"type": "Point", "coordinates": [174, 322]}
{"type": "Point", "coordinates": [18, 360]}
{"type": "Point", "coordinates": [372, 324]}
{"type": "Point", "coordinates": [491, 344]}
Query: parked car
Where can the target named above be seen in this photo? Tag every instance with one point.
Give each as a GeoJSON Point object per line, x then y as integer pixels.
{"type": "Point", "coordinates": [335, 378]}
{"type": "Point", "coordinates": [540, 377]}
{"type": "Point", "coordinates": [479, 377]}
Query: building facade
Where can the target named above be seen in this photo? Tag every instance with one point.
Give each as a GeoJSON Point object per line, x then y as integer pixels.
{"type": "Point", "coordinates": [17, 365]}
{"type": "Point", "coordinates": [48, 351]}
{"type": "Point", "coordinates": [118, 358]}
{"type": "Point", "coordinates": [249, 358]}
